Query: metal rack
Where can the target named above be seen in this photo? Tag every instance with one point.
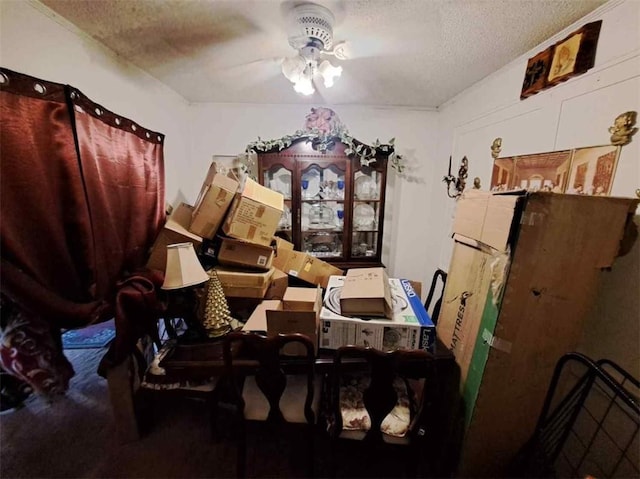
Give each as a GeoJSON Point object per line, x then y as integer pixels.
{"type": "Point", "coordinates": [589, 423]}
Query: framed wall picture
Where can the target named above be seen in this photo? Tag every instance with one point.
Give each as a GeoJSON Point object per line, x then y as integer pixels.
{"type": "Point", "coordinates": [535, 76]}
{"type": "Point", "coordinates": [536, 172]}
{"type": "Point", "coordinates": [575, 54]}
{"type": "Point", "coordinates": [542, 171]}
{"type": "Point", "coordinates": [502, 175]}
{"type": "Point", "coordinates": [593, 170]}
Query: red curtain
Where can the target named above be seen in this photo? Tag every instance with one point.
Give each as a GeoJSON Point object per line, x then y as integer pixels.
{"type": "Point", "coordinates": [81, 201]}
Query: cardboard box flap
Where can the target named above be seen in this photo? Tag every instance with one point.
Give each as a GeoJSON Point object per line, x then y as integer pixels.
{"type": "Point", "coordinates": [211, 172]}
{"type": "Point", "coordinates": [257, 322]}
{"type": "Point", "coordinates": [262, 194]}
{"type": "Point", "coordinates": [182, 215]}
{"type": "Point", "coordinates": [498, 222]}
{"type": "Point", "coordinates": [470, 212]}
{"type": "Point", "coordinates": [487, 217]}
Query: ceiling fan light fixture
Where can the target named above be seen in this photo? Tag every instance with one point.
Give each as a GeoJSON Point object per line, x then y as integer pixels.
{"type": "Point", "coordinates": [312, 36]}
{"type": "Point", "coordinates": [329, 73]}
{"type": "Point", "coordinates": [293, 68]}
{"type": "Point", "coordinates": [304, 86]}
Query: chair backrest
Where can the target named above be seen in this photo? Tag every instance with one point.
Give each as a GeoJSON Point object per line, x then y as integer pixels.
{"type": "Point", "coordinates": [380, 396]}
{"type": "Point", "coordinates": [260, 356]}
{"type": "Point", "coordinates": [438, 276]}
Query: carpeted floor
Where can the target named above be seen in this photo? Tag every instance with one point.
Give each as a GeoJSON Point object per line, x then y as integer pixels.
{"type": "Point", "coordinates": [74, 437]}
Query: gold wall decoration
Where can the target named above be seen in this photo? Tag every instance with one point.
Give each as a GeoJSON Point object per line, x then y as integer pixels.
{"type": "Point", "coordinates": [623, 128]}
{"type": "Point", "coordinates": [496, 148]}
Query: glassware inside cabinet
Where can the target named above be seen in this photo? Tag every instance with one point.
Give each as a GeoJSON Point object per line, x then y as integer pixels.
{"type": "Point", "coordinates": [323, 244]}
{"type": "Point", "coordinates": [322, 183]}
{"type": "Point", "coordinates": [278, 178]}
{"type": "Point", "coordinates": [323, 215]}
{"type": "Point", "coordinates": [285, 219]}
{"type": "Point", "coordinates": [364, 244]}
{"type": "Point", "coordinates": [366, 184]}
{"type": "Point", "coordinates": [365, 216]}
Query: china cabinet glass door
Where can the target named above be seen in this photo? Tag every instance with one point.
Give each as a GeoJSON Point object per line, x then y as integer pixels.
{"type": "Point", "coordinates": [367, 214]}
{"type": "Point", "coordinates": [280, 179]}
{"type": "Point", "coordinates": [322, 210]}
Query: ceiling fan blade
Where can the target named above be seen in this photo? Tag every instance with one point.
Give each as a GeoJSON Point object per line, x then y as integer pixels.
{"type": "Point", "coordinates": [247, 75]}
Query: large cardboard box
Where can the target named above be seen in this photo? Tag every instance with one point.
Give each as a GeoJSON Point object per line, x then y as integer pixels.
{"type": "Point", "coordinates": [464, 298]}
{"type": "Point", "coordinates": [523, 275]}
{"type": "Point", "coordinates": [366, 293]}
{"type": "Point", "coordinates": [270, 316]}
{"type": "Point", "coordinates": [245, 291]}
{"type": "Point", "coordinates": [410, 328]}
{"type": "Point", "coordinates": [302, 265]}
{"type": "Point", "coordinates": [214, 200]}
{"type": "Point", "coordinates": [237, 277]}
{"type": "Point", "coordinates": [254, 214]}
{"type": "Point", "coordinates": [302, 299]}
{"type": "Point", "coordinates": [278, 285]}
{"type": "Point", "coordinates": [243, 254]}
{"type": "Point", "coordinates": [175, 230]}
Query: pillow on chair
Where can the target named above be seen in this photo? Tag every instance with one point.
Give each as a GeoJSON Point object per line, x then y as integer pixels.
{"type": "Point", "coordinates": [355, 416]}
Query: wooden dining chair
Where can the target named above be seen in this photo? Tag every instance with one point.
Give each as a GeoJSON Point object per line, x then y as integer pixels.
{"type": "Point", "coordinates": [273, 389]}
{"type": "Point", "coordinates": [388, 406]}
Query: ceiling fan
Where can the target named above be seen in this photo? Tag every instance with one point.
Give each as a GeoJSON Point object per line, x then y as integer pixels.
{"type": "Point", "coordinates": [311, 34]}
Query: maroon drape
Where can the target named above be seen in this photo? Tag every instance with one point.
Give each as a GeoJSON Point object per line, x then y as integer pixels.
{"type": "Point", "coordinates": [82, 198]}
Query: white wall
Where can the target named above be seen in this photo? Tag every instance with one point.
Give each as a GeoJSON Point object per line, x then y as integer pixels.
{"type": "Point", "coordinates": [226, 129]}
{"type": "Point", "coordinates": [576, 113]}
{"type": "Point", "coordinates": [37, 42]}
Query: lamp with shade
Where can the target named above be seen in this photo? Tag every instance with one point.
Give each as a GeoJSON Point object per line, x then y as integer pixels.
{"type": "Point", "coordinates": [183, 274]}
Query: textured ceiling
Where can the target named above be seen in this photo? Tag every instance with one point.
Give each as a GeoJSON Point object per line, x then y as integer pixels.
{"type": "Point", "coordinates": [416, 53]}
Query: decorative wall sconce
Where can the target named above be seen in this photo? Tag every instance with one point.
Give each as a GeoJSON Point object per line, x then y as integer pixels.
{"type": "Point", "coordinates": [459, 182]}
{"type": "Point", "coordinates": [623, 128]}
{"type": "Point", "coordinates": [496, 148]}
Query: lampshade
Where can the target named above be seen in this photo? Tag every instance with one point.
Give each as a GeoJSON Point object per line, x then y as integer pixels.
{"type": "Point", "coordinates": [183, 268]}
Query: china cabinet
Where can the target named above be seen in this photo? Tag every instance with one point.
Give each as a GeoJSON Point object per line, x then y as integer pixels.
{"type": "Point", "coordinates": [334, 197]}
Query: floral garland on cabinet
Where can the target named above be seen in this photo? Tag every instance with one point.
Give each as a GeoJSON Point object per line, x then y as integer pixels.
{"type": "Point", "coordinates": [322, 129]}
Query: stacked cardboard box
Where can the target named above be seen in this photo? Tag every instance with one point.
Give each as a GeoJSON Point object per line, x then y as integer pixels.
{"type": "Point", "coordinates": [238, 227]}
{"type": "Point", "coordinates": [297, 312]}
{"type": "Point", "coordinates": [302, 265]}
